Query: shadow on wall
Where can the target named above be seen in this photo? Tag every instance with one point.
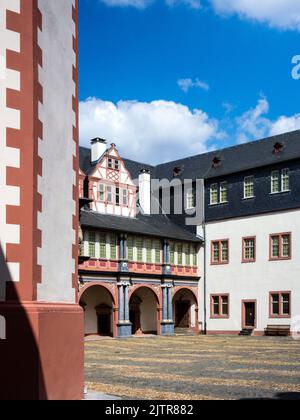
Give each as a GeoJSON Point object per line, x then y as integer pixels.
{"type": "Point", "coordinates": [21, 376]}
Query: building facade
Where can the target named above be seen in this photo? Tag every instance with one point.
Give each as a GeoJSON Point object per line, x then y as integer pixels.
{"type": "Point", "coordinates": [235, 271]}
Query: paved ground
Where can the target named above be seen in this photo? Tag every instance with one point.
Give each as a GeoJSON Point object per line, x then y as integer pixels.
{"type": "Point", "coordinates": [195, 368]}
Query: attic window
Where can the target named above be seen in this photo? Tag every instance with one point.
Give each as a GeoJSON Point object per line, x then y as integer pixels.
{"type": "Point", "coordinates": [278, 148]}
{"type": "Point", "coordinates": [216, 162]}
{"type": "Point", "coordinates": [177, 171]}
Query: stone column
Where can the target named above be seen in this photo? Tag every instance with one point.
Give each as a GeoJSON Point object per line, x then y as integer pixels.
{"type": "Point", "coordinates": [121, 303]}
{"type": "Point", "coordinates": [126, 303]}
{"type": "Point", "coordinates": [165, 303]}
{"type": "Point", "coordinates": [170, 304]}
{"type": "Point", "coordinates": [124, 324]}
{"type": "Point", "coordinates": [167, 324]}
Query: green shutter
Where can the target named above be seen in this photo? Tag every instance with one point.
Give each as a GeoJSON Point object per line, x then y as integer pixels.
{"type": "Point", "coordinates": [92, 244]}
{"type": "Point", "coordinates": [130, 248]}
{"type": "Point", "coordinates": [172, 253]}
{"type": "Point", "coordinates": [113, 247]}
{"type": "Point", "coordinates": [157, 246]}
{"type": "Point", "coordinates": [139, 246]}
{"type": "Point", "coordinates": [148, 244]}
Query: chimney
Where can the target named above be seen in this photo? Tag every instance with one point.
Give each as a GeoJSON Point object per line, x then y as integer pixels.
{"type": "Point", "coordinates": [98, 148]}
{"type": "Point", "coordinates": [145, 191]}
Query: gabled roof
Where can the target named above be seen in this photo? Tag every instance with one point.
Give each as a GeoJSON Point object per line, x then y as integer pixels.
{"type": "Point", "coordinates": [158, 226]}
{"type": "Point", "coordinates": [230, 160]}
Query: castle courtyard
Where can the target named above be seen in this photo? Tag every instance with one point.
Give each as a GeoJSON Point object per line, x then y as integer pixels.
{"type": "Point", "coordinates": [194, 367]}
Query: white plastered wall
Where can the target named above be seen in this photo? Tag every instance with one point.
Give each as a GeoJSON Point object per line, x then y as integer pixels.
{"type": "Point", "coordinates": [94, 297]}
{"type": "Point", "coordinates": [57, 149]}
{"type": "Point", "coordinates": [253, 281]}
{"type": "Point", "coordinates": [9, 157]}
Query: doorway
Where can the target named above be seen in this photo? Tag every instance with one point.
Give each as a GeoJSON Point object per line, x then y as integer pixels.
{"type": "Point", "coordinates": [183, 314]}
{"type": "Point", "coordinates": [249, 314]}
{"type": "Point", "coordinates": [104, 318]}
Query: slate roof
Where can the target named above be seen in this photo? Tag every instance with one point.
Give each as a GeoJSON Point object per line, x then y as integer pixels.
{"type": "Point", "coordinates": [158, 226]}
{"type": "Point", "coordinates": [234, 159]}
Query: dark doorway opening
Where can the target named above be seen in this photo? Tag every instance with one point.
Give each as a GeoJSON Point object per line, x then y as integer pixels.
{"type": "Point", "coordinates": [249, 314]}
{"type": "Point", "coordinates": [183, 314]}
{"type": "Point", "coordinates": [104, 315]}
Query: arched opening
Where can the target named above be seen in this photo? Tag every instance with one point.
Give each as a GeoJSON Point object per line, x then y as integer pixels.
{"type": "Point", "coordinates": [143, 310]}
{"type": "Point", "coordinates": [185, 309]}
{"type": "Point", "coordinates": [98, 311]}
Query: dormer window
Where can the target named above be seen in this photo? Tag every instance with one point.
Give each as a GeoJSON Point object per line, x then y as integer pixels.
{"type": "Point", "coordinates": [177, 171]}
{"type": "Point", "coordinates": [113, 164]}
{"type": "Point", "coordinates": [278, 148]}
{"type": "Point", "coordinates": [216, 162]}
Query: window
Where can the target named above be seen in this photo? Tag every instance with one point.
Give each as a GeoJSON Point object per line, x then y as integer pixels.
{"type": "Point", "coordinates": [117, 165]}
{"type": "Point", "coordinates": [179, 254]}
{"type": "Point", "coordinates": [249, 249]}
{"type": "Point", "coordinates": [125, 198]}
{"type": "Point", "coordinates": [194, 255]}
{"type": "Point", "coordinates": [280, 304]}
{"type": "Point", "coordinates": [214, 199]}
{"type": "Point", "coordinates": [117, 197]}
{"type": "Point", "coordinates": [92, 244]}
{"type": "Point", "coordinates": [109, 190]}
{"type": "Point", "coordinates": [190, 200]}
{"type": "Point", "coordinates": [102, 246]}
{"type": "Point", "coordinates": [157, 248]}
{"type": "Point", "coordinates": [172, 253]}
{"type": "Point", "coordinates": [275, 185]}
{"type": "Point", "coordinates": [285, 180]}
{"type": "Point", "coordinates": [130, 248]}
{"type": "Point", "coordinates": [220, 252]}
{"type": "Point", "coordinates": [113, 247]}
{"type": "Point", "coordinates": [186, 253]}
{"type": "Point", "coordinates": [224, 192]}
{"type": "Point", "coordinates": [219, 306]}
{"type": "Point", "coordinates": [280, 181]}
{"type": "Point", "coordinates": [148, 245]}
{"type": "Point", "coordinates": [139, 246]}
{"type": "Point", "coordinates": [280, 246]}
{"type": "Point", "coordinates": [102, 192]}
{"type": "Point", "coordinates": [249, 187]}
{"type": "Point", "coordinates": [110, 163]}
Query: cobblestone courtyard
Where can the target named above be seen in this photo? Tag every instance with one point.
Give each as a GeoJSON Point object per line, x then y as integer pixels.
{"type": "Point", "coordinates": [195, 367]}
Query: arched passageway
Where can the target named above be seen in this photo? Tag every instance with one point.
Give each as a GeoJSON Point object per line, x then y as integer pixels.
{"type": "Point", "coordinates": [185, 309]}
{"type": "Point", "coordinates": [143, 310]}
{"type": "Point", "coordinates": [98, 307]}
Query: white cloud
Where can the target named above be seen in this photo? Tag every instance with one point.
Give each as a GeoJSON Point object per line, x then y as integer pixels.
{"type": "Point", "coordinates": [154, 132]}
{"type": "Point", "coordinates": [143, 4]}
{"type": "Point", "coordinates": [285, 124]}
{"type": "Point", "coordinates": [253, 124]}
{"type": "Point", "coordinates": [187, 84]}
{"type": "Point", "coordinates": [283, 14]}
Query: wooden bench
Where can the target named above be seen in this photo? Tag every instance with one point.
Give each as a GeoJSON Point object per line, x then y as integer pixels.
{"type": "Point", "coordinates": [278, 330]}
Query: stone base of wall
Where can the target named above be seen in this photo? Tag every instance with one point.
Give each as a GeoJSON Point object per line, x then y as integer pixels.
{"type": "Point", "coordinates": [42, 356]}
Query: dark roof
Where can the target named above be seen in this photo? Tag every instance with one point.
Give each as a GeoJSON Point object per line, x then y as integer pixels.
{"type": "Point", "coordinates": [84, 159]}
{"type": "Point", "coordinates": [234, 159]}
{"type": "Point", "coordinates": [159, 226]}
{"type": "Point", "coordinates": [134, 168]}
{"type": "Point", "coordinates": [230, 160]}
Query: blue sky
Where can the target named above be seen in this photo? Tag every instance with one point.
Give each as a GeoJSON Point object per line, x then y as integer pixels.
{"type": "Point", "coordinates": [167, 79]}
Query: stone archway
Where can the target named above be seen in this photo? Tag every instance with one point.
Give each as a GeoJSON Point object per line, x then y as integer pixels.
{"type": "Point", "coordinates": [185, 309]}
{"type": "Point", "coordinates": [144, 310]}
{"type": "Point", "coordinates": [98, 304]}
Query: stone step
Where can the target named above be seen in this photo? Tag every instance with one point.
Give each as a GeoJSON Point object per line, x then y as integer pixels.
{"type": "Point", "coordinates": [184, 331]}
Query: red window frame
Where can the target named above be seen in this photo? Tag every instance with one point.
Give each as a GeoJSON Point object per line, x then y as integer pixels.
{"type": "Point", "coordinates": [220, 315]}
{"type": "Point", "coordinates": [281, 314]}
{"type": "Point", "coordinates": [280, 236]}
{"type": "Point", "coordinates": [220, 262]}
{"type": "Point", "coordinates": [244, 259]}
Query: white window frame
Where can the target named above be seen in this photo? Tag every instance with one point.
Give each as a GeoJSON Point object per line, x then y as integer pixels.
{"type": "Point", "coordinates": [282, 179]}
{"type": "Point", "coordinates": [211, 193]}
{"type": "Point", "coordinates": [246, 179]}
{"type": "Point", "coordinates": [225, 183]}
{"type": "Point", "coordinates": [190, 197]}
{"type": "Point", "coordinates": [102, 192]}
{"type": "Point", "coordinates": [275, 175]}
